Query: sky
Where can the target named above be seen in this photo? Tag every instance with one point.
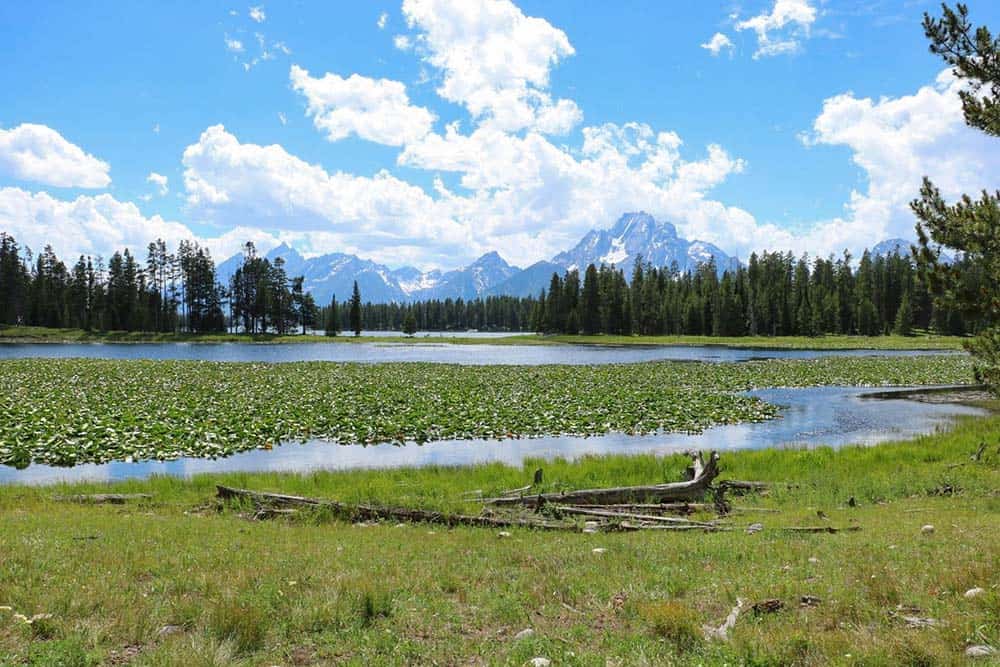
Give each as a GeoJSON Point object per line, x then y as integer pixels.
{"type": "Point", "coordinates": [429, 132]}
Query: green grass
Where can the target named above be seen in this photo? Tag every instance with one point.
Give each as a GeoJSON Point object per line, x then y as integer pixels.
{"type": "Point", "coordinates": [70, 411]}
{"type": "Point", "coordinates": [918, 342]}
{"type": "Point", "coordinates": [311, 591]}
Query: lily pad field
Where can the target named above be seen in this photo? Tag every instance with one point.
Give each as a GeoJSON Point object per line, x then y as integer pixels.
{"type": "Point", "coordinates": [66, 412]}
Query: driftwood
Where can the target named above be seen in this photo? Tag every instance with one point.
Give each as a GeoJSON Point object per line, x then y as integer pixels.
{"type": "Point", "coordinates": [820, 529]}
{"type": "Point", "coordinates": [722, 632]}
{"type": "Point", "coordinates": [373, 513]}
{"type": "Point", "coordinates": [693, 489]}
{"type": "Point", "coordinates": [105, 498]}
{"type": "Point", "coordinates": [608, 514]}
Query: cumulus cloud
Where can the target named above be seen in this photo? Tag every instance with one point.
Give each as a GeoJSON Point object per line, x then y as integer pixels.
{"type": "Point", "coordinates": [257, 14]}
{"type": "Point", "coordinates": [31, 152]}
{"type": "Point", "coordinates": [234, 45]}
{"type": "Point", "coordinates": [718, 42]}
{"type": "Point", "coordinates": [495, 61]}
{"type": "Point", "coordinates": [781, 30]}
{"type": "Point", "coordinates": [383, 18]}
{"type": "Point", "coordinates": [896, 142]}
{"type": "Point", "coordinates": [374, 109]}
{"type": "Point", "coordinates": [160, 181]}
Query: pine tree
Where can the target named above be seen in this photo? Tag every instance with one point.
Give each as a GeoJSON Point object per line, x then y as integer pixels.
{"type": "Point", "coordinates": [904, 317]}
{"type": "Point", "coordinates": [331, 325]}
{"type": "Point", "coordinates": [970, 226]}
{"type": "Point", "coordinates": [410, 324]}
{"type": "Point", "coordinates": [355, 310]}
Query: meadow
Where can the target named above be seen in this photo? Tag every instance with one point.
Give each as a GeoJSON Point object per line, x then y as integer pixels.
{"type": "Point", "coordinates": [181, 579]}
{"type": "Point", "coordinates": [69, 411]}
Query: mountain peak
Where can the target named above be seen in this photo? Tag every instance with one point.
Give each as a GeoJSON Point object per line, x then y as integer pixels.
{"type": "Point", "coordinates": [492, 258]}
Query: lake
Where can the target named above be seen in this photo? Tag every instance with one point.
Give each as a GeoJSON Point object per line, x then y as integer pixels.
{"type": "Point", "coordinates": [812, 416]}
{"type": "Point", "coordinates": [428, 352]}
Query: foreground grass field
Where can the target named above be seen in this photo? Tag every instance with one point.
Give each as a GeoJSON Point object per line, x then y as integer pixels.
{"type": "Point", "coordinates": [176, 580]}
{"type": "Point", "coordinates": [918, 342]}
{"type": "Point", "coordinates": [70, 411]}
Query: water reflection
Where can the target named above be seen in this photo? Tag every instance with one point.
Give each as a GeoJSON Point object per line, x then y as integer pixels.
{"type": "Point", "coordinates": [812, 416]}
{"type": "Point", "coordinates": [430, 352]}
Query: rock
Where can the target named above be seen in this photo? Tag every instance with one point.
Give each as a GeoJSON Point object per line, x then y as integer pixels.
{"type": "Point", "coordinates": [590, 524]}
{"type": "Point", "coordinates": [974, 592]}
{"type": "Point", "coordinates": [927, 530]}
{"type": "Point", "coordinates": [809, 601]}
{"type": "Point", "coordinates": [768, 606]}
{"type": "Point", "coordinates": [539, 662]}
{"type": "Point", "coordinates": [813, 560]}
{"type": "Point", "coordinates": [524, 634]}
{"type": "Point", "coordinates": [503, 533]}
{"type": "Point", "coordinates": [754, 528]}
{"type": "Point", "coordinates": [980, 651]}
{"type": "Point", "coordinates": [589, 531]}
{"type": "Point", "coordinates": [600, 550]}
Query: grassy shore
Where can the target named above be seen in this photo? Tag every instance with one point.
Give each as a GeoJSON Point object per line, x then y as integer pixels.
{"type": "Point", "coordinates": [917, 342]}
{"type": "Point", "coordinates": [178, 580]}
{"type": "Point", "coordinates": [70, 411]}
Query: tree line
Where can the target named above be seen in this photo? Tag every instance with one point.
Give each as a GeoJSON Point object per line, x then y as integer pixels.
{"type": "Point", "coordinates": [171, 292]}
{"type": "Point", "coordinates": [775, 294]}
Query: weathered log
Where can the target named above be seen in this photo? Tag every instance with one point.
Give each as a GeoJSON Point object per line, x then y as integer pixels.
{"type": "Point", "coordinates": [820, 529]}
{"type": "Point", "coordinates": [614, 514]}
{"type": "Point", "coordinates": [722, 632]}
{"type": "Point", "coordinates": [373, 513]}
{"type": "Point", "coordinates": [693, 489]}
{"type": "Point", "coordinates": [104, 498]}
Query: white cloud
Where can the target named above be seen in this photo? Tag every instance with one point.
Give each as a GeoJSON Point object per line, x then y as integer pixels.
{"type": "Point", "coordinates": [495, 60]}
{"type": "Point", "coordinates": [402, 42]}
{"type": "Point", "coordinates": [31, 152]}
{"type": "Point", "coordinates": [896, 142]}
{"type": "Point", "coordinates": [282, 118]}
{"type": "Point", "coordinates": [374, 109]}
{"type": "Point", "coordinates": [160, 181]}
{"type": "Point", "coordinates": [86, 225]}
{"type": "Point", "coordinates": [718, 42]}
{"type": "Point", "coordinates": [234, 45]}
{"type": "Point", "coordinates": [781, 30]}
{"type": "Point", "coordinates": [257, 14]}
{"type": "Point", "coordinates": [383, 18]}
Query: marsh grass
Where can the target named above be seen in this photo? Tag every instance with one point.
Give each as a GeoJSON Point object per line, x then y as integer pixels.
{"type": "Point", "coordinates": [315, 590]}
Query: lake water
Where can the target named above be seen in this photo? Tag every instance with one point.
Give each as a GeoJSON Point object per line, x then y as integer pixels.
{"type": "Point", "coordinates": [440, 352]}
{"type": "Point", "coordinates": [813, 416]}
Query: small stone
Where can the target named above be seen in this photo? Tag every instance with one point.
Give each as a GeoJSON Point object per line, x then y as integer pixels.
{"type": "Point", "coordinates": [539, 662]}
{"type": "Point", "coordinates": [980, 651]}
{"type": "Point", "coordinates": [503, 533]}
{"type": "Point", "coordinates": [600, 550]}
{"type": "Point", "coordinates": [589, 531]}
{"type": "Point", "coordinates": [927, 530]}
{"type": "Point", "coordinates": [809, 601]}
{"type": "Point", "coordinates": [974, 592]}
{"type": "Point", "coordinates": [814, 560]}
{"type": "Point", "coordinates": [524, 634]}
{"type": "Point", "coordinates": [168, 630]}
{"type": "Point", "coordinates": [754, 528]}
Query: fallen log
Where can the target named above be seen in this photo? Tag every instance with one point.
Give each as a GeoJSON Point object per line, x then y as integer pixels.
{"type": "Point", "coordinates": [820, 529]}
{"type": "Point", "coordinates": [373, 513]}
{"type": "Point", "coordinates": [722, 632]}
{"type": "Point", "coordinates": [693, 489]}
{"type": "Point", "coordinates": [608, 514]}
{"type": "Point", "coordinates": [104, 498]}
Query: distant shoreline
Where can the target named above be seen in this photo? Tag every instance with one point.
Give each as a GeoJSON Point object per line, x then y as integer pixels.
{"type": "Point", "coordinates": [22, 335]}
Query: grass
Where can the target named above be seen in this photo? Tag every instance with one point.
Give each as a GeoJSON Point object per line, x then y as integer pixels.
{"type": "Point", "coordinates": [70, 411]}
{"type": "Point", "coordinates": [175, 581]}
{"type": "Point", "coordinates": [922, 341]}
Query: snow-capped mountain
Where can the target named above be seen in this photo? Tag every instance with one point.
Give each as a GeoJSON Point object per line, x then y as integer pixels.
{"type": "Point", "coordinates": [640, 235]}
{"type": "Point", "coordinates": [335, 273]}
{"type": "Point", "coordinates": [891, 247]}
{"type": "Point", "coordinates": [634, 235]}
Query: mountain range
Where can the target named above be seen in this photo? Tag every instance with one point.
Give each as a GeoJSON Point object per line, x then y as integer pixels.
{"type": "Point", "coordinates": [634, 235]}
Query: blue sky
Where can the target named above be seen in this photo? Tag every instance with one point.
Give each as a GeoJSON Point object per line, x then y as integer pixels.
{"type": "Point", "coordinates": [446, 128]}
